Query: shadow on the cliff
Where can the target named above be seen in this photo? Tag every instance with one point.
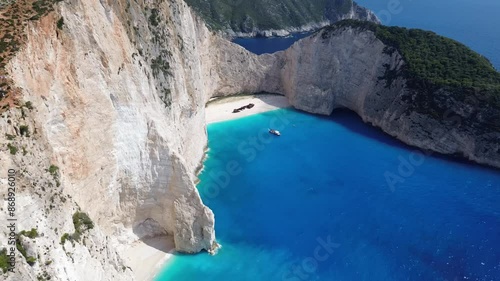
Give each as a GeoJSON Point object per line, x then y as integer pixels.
{"type": "Point", "coordinates": [273, 99]}
{"type": "Point", "coordinates": [351, 121]}
{"type": "Point", "coordinates": [163, 244]}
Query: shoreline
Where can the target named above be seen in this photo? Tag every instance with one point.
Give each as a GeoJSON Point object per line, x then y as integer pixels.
{"type": "Point", "coordinates": [147, 257]}
{"type": "Point", "coordinates": [221, 109]}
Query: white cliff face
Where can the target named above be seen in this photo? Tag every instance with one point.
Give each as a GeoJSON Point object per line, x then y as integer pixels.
{"type": "Point", "coordinates": [122, 116]}
{"type": "Point", "coordinates": [327, 72]}
{"type": "Point", "coordinates": [119, 98]}
{"type": "Point", "coordinates": [43, 203]}
{"type": "Point", "coordinates": [125, 155]}
{"type": "Point", "coordinates": [346, 68]}
{"type": "Point", "coordinates": [355, 12]}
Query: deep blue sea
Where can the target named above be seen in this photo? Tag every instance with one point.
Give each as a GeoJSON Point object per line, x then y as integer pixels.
{"type": "Point", "coordinates": [474, 23]}
{"type": "Point", "coordinates": [263, 45]}
{"type": "Point", "coordinates": [336, 199]}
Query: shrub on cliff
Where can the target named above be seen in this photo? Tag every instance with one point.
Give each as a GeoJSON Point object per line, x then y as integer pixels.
{"type": "Point", "coordinates": [33, 233]}
{"type": "Point", "coordinates": [53, 169]}
{"type": "Point", "coordinates": [4, 260]}
{"type": "Point", "coordinates": [24, 130]}
{"type": "Point", "coordinates": [65, 237]}
{"type": "Point", "coordinates": [12, 149]}
{"type": "Point", "coordinates": [82, 223]}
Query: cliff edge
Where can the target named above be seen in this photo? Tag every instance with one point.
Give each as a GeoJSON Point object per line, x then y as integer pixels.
{"type": "Point", "coordinates": [364, 67]}
{"type": "Point", "coordinates": [276, 18]}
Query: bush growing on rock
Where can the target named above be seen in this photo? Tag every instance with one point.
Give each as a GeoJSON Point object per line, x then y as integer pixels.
{"type": "Point", "coordinates": [33, 233]}
{"type": "Point", "coordinates": [24, 130]}
{"type": "Point", "coordinates": [4, 260]}
{"type": "Point", "coordinates": [82, 223]}
{"type": "Point", "coordinates": [12, 149]}
{"type": "Point", "coordinates": [19, 245]}
{"type": "Point", "coordinates": [53, 169]}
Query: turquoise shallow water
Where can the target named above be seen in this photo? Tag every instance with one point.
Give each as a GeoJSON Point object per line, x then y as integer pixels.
{"type": "Point", "coordinates": [315, 204]}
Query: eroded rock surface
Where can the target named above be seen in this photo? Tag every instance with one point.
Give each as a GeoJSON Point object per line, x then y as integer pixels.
{"type": "Point", "coordinates": [118, 98]}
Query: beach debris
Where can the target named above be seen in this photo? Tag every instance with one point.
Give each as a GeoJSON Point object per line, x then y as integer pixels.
{"type": "Point", "coordinates": [249, 106]}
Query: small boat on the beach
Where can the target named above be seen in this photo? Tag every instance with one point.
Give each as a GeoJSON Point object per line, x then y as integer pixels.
{"type": "Point", "coordinates": [275, 132]}
{"type": "Point", "coordinates": [238, 110]}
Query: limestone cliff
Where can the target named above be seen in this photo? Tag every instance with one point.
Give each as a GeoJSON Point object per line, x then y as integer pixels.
{"type": "Point", "coordinates": [268, 18]}
{"type": "Point", "coordinates": [106, 117]}
{"type": "Point", "coordinates": [348, 68]}
{"type": "Point", "coordinates": [111, 97]}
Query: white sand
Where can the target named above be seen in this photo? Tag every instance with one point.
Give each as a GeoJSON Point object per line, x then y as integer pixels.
{"type": "Point", "coordinates": [148, 256]}
{"type": "Point", "coordinates": [221, 109]}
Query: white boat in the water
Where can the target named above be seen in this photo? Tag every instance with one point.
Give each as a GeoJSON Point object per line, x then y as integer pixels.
{"type": "Point", "coordinates": [274, 132]}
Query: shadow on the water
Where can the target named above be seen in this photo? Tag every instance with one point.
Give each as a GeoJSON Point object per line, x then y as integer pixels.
{"type": "Point", "coordinates": [179, 254]}
{"type": "Point", "coordinates": [352, 122]}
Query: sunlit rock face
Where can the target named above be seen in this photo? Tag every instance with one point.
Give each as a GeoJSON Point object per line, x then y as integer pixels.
{"type": "Point", "coordinates": [347, 68]}
{"type": "Point", "coordinates": [119, 94]}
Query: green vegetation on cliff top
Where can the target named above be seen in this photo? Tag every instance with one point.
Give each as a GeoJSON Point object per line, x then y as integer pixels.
{"type": "Point", "coordinates": [433, 58]}
{"type": "Point", "coordinates": [245, 15]}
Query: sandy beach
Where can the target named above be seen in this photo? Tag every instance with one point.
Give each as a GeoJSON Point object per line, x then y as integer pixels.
{"type": "Point", "coordinates": [153, 253]}
{"type": "Point", "coordinates": [221, 109]}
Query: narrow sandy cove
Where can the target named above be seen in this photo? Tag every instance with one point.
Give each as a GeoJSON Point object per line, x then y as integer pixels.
{"type": "Point", "coordinates": [147, 257]}
{"type": "Point", "coordinates": [221, 109]}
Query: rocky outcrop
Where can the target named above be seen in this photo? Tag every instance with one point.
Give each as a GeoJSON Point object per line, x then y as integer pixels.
{"type": "Point", "coordinates": [271, 18]}
{"type": "Point", "coordinates": [350, 68]}
{"type": "Point", "coordinates": [332, 15]}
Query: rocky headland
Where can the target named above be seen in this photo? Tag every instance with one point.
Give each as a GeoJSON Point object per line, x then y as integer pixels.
{"type": "Point", "coordinates": [271, 18]}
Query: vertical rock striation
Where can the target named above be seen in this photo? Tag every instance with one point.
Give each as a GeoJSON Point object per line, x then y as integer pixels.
{"type": "Point", "coordinates": [118, 93]}
{"type": "Point", "coordinates": [270, 18]}
{"type": "Point", "coordinates": [125, 128]}
{"type": "Point", "coordinates": [349, 67]}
